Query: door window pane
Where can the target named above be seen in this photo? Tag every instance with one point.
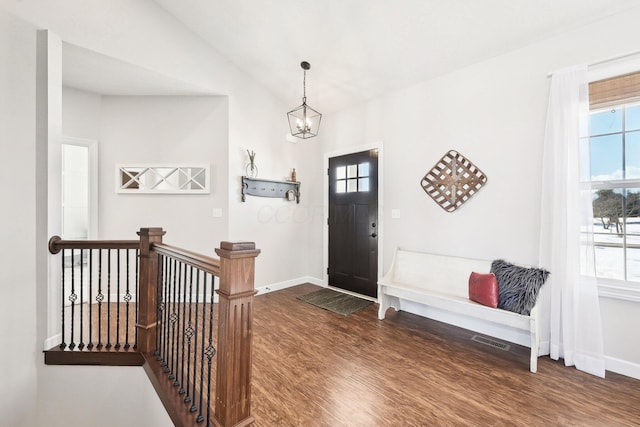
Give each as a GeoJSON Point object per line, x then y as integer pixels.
{"type": "Point", "coordinates": [363, 184]}
{"type": "Point", "coordinates": [363, 169]}
{"type": "Point", "coordinates": [353, 178]}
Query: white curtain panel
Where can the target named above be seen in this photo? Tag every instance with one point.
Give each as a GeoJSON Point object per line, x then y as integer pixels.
{"type": "Point", "coordinates": [572, 327]}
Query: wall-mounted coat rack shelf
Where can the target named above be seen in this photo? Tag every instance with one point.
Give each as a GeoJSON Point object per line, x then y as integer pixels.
{"type": "Point", "coordinates": [268, 188]}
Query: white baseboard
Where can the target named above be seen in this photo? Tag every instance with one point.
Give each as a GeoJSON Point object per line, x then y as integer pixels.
{"type": "Point", "coordinates": [53, 341]}
{"type": "Point", "coordinates": [622, 367]}
{"type": "Point", "coordinates": [289, 283]}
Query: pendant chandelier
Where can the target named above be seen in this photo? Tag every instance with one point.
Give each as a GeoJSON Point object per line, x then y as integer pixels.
{"type": "Point", "coordinates": [304, 121]}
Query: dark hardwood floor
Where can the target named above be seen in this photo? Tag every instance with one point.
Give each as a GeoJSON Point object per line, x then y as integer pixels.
{"type": "Point", "coordinates": [315, 368]}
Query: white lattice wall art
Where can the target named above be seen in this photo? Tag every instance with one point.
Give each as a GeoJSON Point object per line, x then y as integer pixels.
{"type": "Point", "coordinates": [162, 178]}
{"type": "Point", "coordinates": [452, 181]}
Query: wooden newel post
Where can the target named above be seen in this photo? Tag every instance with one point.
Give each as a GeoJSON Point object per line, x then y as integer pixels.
{"type": "Point", "coordinates": [148, 289]}
{"type": "Point", "coordinates": [235, 313]}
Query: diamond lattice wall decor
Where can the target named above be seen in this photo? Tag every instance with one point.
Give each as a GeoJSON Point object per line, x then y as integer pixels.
{"type": "Point", "coordinates": [163, 178]}
{"type": "Point", "coordinates": [452, 181]}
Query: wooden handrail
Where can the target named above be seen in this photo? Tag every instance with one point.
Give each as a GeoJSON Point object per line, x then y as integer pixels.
{"type": "Point", "coordinates": [202, 262]}
{"type": "Point", "coordinates": [56, 244]}
{"type": "Point", "coordinates": [235, 271]}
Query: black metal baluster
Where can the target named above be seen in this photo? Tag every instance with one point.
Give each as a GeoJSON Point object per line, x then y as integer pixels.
{"type": "Point", "coordinates": [210, 351]}
{"type": "Point", "coordinates": [171, 325]}
{"type": "Point", "coordinates": [193, 407]}
{"type": "Point", "coordinates": [161, 308]}
{"type": "Point", "coordinates": [81, 345]}
{"type": "Point", "coordinates": [172, 266]}
{"type": "Point", "coordinates": [189, 334]}
{"type": "Point", "coordinates": [118, 299]}
{"type": "Point", "coordinates": [99, 299]}
{"type": "Point", "coordinates": [108, 298]}
{"type": "Point", "coordinates": [184, 318]}
{"type": "Point", "coordinates": [156, 350]}
{"type": "Point", "coordinates": [167, 308]}
{"type": "Point", "coordinates": [202, 354]}
{"type": "Point", "coordinates": [135, 343]}
{"type": "Point", "coordinates": [62, 343]}
{"type": "Point", "coordinates": [90, 345]}
{"type": "Point", "coordinates": [127, 298]}
{"type": "Point", "coordinates": [174, 318]}
{"type": "Point", "coordinates": [72, 299]}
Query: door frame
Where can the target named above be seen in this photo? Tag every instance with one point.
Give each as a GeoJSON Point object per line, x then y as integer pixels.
{"type": "Point", "coordinates": [325, 229]}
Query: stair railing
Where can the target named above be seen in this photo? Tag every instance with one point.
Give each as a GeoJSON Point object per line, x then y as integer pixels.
{"type": "Point", "coordinates": [197, 353]}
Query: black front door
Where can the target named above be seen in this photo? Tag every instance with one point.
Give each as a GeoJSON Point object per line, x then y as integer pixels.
{"type": "Point", "coordinates": [353, 222]}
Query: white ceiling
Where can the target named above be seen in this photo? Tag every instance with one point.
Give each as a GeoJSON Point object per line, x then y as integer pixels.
{"type": "Point", "coordinates": [90, 71]}
{"type": "Point", "coordinates": [358, 49]}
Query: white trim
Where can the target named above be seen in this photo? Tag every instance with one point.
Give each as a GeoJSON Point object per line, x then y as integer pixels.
{"type": "Point", "coordinates": [612, 184]}
{"type": "Point", "coordinates": [619, 290]}
{"type": "Point", "coordinates": [622, 367]}
{"type": "Point", "coordinates": [325, 232]}
{"type": "Point", "coordinates": [624, 63]}
{"type": "Point", "coordinates": [614, 66]}
{"type": "Point", "coordinates": [53, 341]}
{"type": "Point", "coordinates": [288, 284]}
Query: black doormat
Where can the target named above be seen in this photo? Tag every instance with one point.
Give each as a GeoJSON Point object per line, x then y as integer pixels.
{"type": "Point", "coordinates": [335, 301]}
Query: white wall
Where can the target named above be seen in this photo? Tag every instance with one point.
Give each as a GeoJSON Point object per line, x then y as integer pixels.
{"type": "Point", "coordinates": [17, 254]}
{"type": "Point", "coordinates": [493, 113]}
{"type": "Point", "coordinates": [145, 35]}
{"type": "Point", "coordinates": [156, 129]}
{"type": "Point", "coordinates": [164, 130]}
{"type": "Point", "coordinates": [101, 396]}
{"type": "Point", "coordinates": [81, 113]}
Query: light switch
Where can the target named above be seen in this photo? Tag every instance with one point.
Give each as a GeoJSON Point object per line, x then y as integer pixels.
{"type": "Point", "coordinates": [217, 212]}
{"type": "Point", "coordinates": [395, 213]}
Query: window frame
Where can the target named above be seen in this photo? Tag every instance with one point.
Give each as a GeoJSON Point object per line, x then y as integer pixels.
{"type": "Point", "coordinates": [624, 289]}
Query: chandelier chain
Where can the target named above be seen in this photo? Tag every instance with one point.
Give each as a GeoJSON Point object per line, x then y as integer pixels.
{"type": "Point", "coordinates": [304, 87]}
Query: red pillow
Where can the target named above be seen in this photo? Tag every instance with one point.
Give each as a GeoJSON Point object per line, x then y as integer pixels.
{"type": "Point", "coordinates": [483, 288]}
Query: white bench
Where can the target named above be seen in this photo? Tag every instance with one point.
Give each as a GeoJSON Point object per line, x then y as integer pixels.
{"type": "Point", "coordinates": [442, 282]}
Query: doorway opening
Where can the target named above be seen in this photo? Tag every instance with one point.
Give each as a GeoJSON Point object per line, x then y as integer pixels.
{"type": "Point", "coordinates": [79, 192]}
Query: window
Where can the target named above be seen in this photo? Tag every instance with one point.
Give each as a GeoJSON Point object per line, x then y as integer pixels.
{"type": "Point", "coordinates": [614, 173]}
{"type": "Point", "coordinates": [174, 179]}
{"type": "Point", "coordinates": [352, 178]}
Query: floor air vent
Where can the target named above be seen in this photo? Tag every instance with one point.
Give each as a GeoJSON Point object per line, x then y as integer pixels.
{"type": "Point", "coordinates": [490, 342]}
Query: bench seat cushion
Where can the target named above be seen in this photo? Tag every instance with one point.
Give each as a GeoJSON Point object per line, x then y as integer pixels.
{"type": "Point", "coordinates": [457, 304]}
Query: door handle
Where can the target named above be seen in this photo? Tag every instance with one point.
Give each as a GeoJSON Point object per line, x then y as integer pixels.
{"type": "Point", "coordinates": [374, 234]}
